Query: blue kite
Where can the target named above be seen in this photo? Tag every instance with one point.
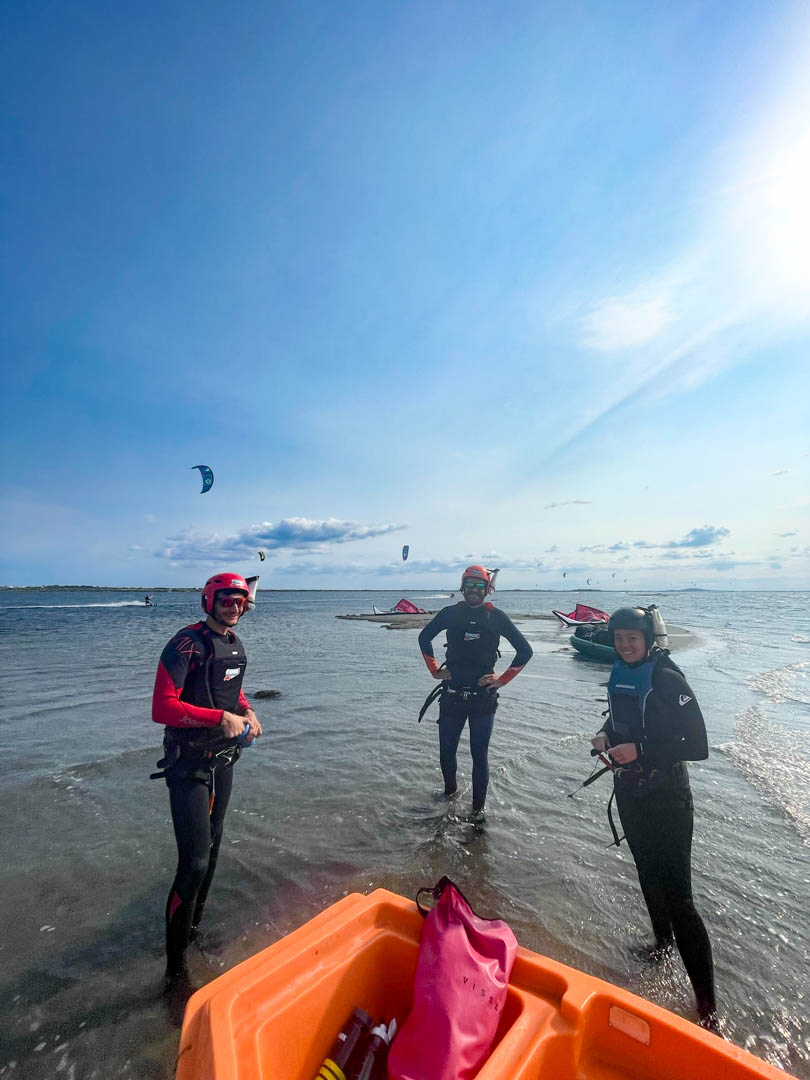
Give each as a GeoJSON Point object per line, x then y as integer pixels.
{"type": "Point", "coordinates": [207, 475]}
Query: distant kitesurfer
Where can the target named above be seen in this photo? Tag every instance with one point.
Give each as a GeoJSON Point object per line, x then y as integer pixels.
{"type": "Point", "coordinates": [198, 696]}
{"type": "Point", "coordinates": [654, 727]}
{"type": "Point", "coordinates": [470, 686]}
{"type": "Point", "coordinates": [147, 600]}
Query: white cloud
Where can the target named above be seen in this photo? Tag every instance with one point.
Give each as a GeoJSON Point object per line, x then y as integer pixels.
{"type": "Point", "coordinates": [700, 537]}
{"type": "Point", "coordinates": [287, 534]}
{"type": "Point", "coordinates": [624, 322]}
{"type": "Point", "coordinates": [739, 284]}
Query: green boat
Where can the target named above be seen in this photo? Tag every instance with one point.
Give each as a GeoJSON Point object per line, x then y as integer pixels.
{"type": "Point", "coordinates": [592, 650]}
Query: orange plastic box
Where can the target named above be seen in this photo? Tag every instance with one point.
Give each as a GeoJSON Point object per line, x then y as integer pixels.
{"type": "Point", "coordinates": [276, 1015]}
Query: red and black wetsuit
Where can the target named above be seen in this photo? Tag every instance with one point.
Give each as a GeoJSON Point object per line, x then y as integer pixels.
{"type": "Point", "coordinates": [473, 636]}
{"type": "Point", "coordinates": [199, 677]}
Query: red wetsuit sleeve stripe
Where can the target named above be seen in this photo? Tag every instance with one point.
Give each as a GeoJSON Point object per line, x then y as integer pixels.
{"type": "Point", "coordinates": [510, 673]}
{"type": "Point", "coordinates": [431, 662]}
{"type": "Point", "coordinates": [244, 704]}
{"type": "Point", "coordinates": [167, 708]}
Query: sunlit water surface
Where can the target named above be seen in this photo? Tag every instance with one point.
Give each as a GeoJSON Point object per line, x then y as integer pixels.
{"type": "Point", "coordinates": [339, 796]}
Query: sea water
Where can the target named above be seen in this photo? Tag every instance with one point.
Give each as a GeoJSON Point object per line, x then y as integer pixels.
{"type": "Point", "coordinates": [340, 796]}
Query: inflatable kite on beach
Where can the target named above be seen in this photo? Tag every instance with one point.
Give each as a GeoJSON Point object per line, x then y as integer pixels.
{"type": "Point", "coordinates": [207, 475]}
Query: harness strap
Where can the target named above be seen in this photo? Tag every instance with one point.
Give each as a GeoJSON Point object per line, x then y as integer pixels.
{"type": "Point", "coordinates": [434, 693]}
{"type": "Point", "coordinates": [616, 838]}
{"type": "Point", "coordinates": [194, 763]}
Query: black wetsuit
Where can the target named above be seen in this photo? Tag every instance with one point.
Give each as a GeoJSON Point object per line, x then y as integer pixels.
{"type": "Point", "coordinates": [473, 635]}
{"type": "Point", "coordinates": [656, 810]}
{"type": "Point", "coordinates": [199, 676]}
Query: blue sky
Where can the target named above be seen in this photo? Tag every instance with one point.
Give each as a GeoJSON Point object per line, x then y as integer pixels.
{"type": "Point", "coordinates": [501, 282]}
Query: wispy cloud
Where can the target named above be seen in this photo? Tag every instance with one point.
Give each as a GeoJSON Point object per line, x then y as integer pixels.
{"type": "Point", "coordinates": [624, 322]}
{"type": "Point", "coordinates": [568, 502]}
{"type": "Point", "coordinates": [781, 472]}
{"type": "Point", "coordinates": [786, 534]}
{"type": "Point", "coordinates": [703, 536]}
{"type": "Point", "coordinates": [739, 283]}
{"type": "Point", "coordinates": [289, 534]}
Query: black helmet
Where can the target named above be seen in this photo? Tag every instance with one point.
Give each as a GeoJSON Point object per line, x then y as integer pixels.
{"type": "Point", "coordinates": [632, 618]}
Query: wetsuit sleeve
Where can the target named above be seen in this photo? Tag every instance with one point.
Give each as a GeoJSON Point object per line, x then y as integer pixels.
{"type": "Point", "coordinates": [686, 738]}
{"type": "Point", "coordinates": [173, 667]}
{"type": "Point", "coordinates": [244, 704]}
{"type": "Point", "coordinates": [428, 633]}
{"type": "Point", "coordinates": [523, 650]}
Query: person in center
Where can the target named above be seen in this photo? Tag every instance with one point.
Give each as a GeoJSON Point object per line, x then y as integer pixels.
{"type": "Point", "coordinates": [654, 727]}
{"type": "Point", "coordinates": [470, 686]}
{"type": "Point", "coordinates": [198, 697]}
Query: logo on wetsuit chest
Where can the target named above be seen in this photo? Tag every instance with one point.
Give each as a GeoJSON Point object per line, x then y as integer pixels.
{"type": "Point", "coordinates": [471, 637]}
{"type": "Point", "coordinates": [231, 673]}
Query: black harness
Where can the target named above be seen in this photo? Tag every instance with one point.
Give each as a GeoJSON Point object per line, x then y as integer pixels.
{"type": "Point", "coordinates": [215, 682]}
{"type": "Point", "coordinates": [462, 696]}
{"type": "Point", "coordinates": [194, 761]}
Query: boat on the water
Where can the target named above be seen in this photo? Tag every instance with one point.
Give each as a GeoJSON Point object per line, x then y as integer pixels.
{"type": "Point", "coordinates": [582, 615]}
{"type": "Point", "coordinates": [402, 612]}
{"type": "Point", "coordinates": [592, 640]}
{"type": "Point", "coordinates": [276, 1015]}
{"type": "Point", "coordinates": [592, 650]}
{"type": "Point", "coordinates": [404, 607]}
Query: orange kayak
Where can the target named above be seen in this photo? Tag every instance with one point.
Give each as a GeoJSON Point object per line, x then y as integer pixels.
{"type": "Point", "coordinates": [276, 1015]}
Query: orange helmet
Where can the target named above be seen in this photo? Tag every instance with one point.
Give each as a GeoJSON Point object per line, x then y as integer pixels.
{"type": "Point", "coordinates": [477, 573]}
{"type": "Point", "coordinates": [218, 583]}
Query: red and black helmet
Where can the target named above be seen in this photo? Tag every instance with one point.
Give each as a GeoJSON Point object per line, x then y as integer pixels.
{"type": "Point", "coordinates": [477, 573]}
{"type": "Point", "coordinates": [219, 583]}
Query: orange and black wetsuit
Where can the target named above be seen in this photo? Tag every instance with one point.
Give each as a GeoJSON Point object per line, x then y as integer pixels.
{"type": "Point", "coordinates": [473, 636]}
{"type": "Point", "coordinates": [199, 677]}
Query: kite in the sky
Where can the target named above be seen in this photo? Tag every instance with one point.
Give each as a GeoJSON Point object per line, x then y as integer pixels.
{"type": "Point", "coordinates": [587, 581]}
{"type": "Point", "coordinates": [207, 475]}
{"type": "Point", "coordinates": [405, 551]}
{"type": "Point", "coordinates": [261, 556]}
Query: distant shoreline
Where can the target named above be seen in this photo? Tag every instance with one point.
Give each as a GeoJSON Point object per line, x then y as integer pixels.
{"type": "Point", "coordinates": [641, 590]}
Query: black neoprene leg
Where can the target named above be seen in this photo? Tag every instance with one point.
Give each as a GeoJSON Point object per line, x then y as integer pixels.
{"type": "Point", "coordinates": [480, 734]}
{"type": "Point", "coordinates": [659, 832]}
{"type": "Point", "coordinates": [192, 832]}
{"type": "Point", "coordinates": [451, 724]}
{"type": "Point", "coordinates": [223, 782]}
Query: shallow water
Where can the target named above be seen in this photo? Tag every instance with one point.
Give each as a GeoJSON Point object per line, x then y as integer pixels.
{"type": "Point", "coordinates": [339, 796]}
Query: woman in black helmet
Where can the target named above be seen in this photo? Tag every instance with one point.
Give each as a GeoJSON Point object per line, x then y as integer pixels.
{"type": "Point", "coordinates": [654, 727]}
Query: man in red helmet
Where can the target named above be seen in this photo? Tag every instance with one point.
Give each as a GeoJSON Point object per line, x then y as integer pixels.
{"type": "Point", "coordinates": [198, 697]}
{"type": "Point", "coordinates": [470, 686]}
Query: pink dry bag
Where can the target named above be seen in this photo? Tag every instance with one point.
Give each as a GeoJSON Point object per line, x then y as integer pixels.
{"type": "Point", "coordinates": [459, 991]}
